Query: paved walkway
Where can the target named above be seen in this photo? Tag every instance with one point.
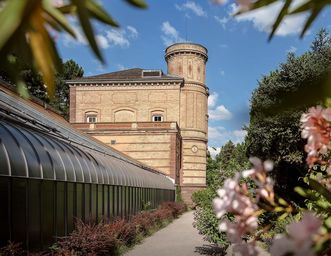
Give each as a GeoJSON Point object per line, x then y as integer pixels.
{"type": "Point", "coordinates": [179, 238]}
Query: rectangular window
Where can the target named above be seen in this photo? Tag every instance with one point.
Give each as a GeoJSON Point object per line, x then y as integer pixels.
{"type": "Point", "coordinates": [157, 118]}
{"type": "Point", "coordinates": [91, 118]}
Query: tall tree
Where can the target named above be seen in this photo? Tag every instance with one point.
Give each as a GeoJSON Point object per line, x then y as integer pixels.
{"type": "Point", "coordinates": [36, 87]}
{"type": "Point", "coordinates": [276, 108]}
{"type": "Point", "coordinates": [70, 70]}
{"type": "Point", "coordinates": [226, 153]}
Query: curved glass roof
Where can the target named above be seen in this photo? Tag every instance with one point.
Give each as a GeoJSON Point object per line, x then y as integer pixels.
{"type": "Point", "coordinates": [25, 152]}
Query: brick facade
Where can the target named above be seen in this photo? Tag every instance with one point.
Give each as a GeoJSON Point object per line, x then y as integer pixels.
{"type": "Point", "coordinates": [125, 102]}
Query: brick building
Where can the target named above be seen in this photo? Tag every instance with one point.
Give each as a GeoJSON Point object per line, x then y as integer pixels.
{"type": "Point", "coordinates": [158, 119]}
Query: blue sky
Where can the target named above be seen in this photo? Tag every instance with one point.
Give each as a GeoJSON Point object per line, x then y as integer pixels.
{"type": "Point", "coordinates": [239, 54]}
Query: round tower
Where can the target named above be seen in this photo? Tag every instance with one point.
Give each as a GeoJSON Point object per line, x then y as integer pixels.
{"type": "Point", "coordinates": [188, 60]}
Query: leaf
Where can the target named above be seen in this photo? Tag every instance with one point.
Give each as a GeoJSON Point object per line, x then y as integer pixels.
{"type": "Point", "coordinates": [11, 17]}
{"type": "Point", "coordinates": [138, 3]}
{"type": "Point", "coordinates": [282, 202]}
{"type": "Point", "coordinates": [301, 191]}
{"type": "Point", "coordinates": [320, 189]}
{"type": "Point", "coordinates": [58, 17]}
{"type": "Point", "coordinates": [83, 16]}
{"type": "Point", "coordinates": [99, 13]}
{"type": "Point", "coordinates": [302, 8]}
{"type": "Point", "coordinates": [262, 3]}
{"type": "Point", "coordinates": [280, 17]}
{"type": "Point", "coordinates": [328, 222]}
{"type": "Point", "coordinates": [67, 9]}
{"type": "Point", "coordinates": [310, 20]}
{"type": "Point", "coordinates": [42, 49]}
{"type": "Point", "coordinates": [22, 90]}
{"type": "Point", "coordinates": [283, 216]}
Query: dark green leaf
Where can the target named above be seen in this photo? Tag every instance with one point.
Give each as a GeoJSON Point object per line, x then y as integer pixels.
{"type": "Point", "coordinates": [280, 17]}
{"type": "Point", "coordinates": [83, 16]}
{"type": "Point", "coordinates": [320, 189]}
{"type": "Point", "coordinates": [10, 18]}
{"type": "Point", "coordinates": [310, 20]}
{"type": "Point", "coordinates": [58, 17]}
{"type": "Point", "coordinates": [137, 3]}
{"type": "Point", "coordinates": [100, 14]}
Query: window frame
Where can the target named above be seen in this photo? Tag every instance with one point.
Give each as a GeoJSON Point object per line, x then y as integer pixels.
{"type": "Point", "coordinates": [157, 116]}
{"type": "Point", "coordinates": [88, 116]}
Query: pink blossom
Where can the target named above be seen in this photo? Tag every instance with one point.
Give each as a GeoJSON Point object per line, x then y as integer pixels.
{"type": "Point", "coordinates": [233, 198]}
{"type": "Point", "coordinates": [303, 230]}
{"type": "Point", "coordinates": [259, 167]}
{"type": "Point", "coordinates": [317, 131]}
{"type": "Point", "coordinates": [259, 174]}
{"type": "Point", "coordinates": [245, 5]}
{"type": "Point", "coordinates": [219, 1]}
{"type": "Point", "coordinates": [300, 237]}
{"type": "Point", "coordinates": [247, 249]}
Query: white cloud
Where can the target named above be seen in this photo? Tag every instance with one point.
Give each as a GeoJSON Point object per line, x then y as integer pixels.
{"type": "Point", "coordinates": [132, 31]}
{"type": "Point", "coordinates": [219, 136]}
{"type": "Point", "coordinates": [193, 7]}
{"type": "Point", "coordinates": [222, 21]}
{"type": "Point", "coordinates": [219, 113]}
{"type": "Point", "coordinates": [170, 34]}
{"type": "Point", "coordinates": [222, 72]}
{"type": "Point", "coordinates": [212, 99]}
{"type": "Point", "coordinates": [264, 18]}
{"type": "Point", "coordinates": [214, 151]}
{"type": "Point", "coordinates": [106, 39]}
{"type": "Point", "coordinates": [117, 38]}
{"type": "Point", "coordinates": [102, 41]}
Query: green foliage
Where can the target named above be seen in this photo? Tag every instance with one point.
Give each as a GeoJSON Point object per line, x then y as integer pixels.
{"type": "Point", "coordinates": [317, 196]}
{"type": "Point", "coordinates": [25, 34]}
{"type": "Point", "coordinates": [178, 196]}
{"type": "Point", "coordinates": [230, 160]}
{"type": "Point", "coordinates": [70, 70]}
{"type": "Point", "coordinates": [35, 85]}
{"type": "Point", "coordinates": [276, 107]}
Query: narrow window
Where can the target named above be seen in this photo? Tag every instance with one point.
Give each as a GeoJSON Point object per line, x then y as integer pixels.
{"type": "Point", "coordinates": [157, 118]}
{"type": "Point", "coordinates": [91, 118]}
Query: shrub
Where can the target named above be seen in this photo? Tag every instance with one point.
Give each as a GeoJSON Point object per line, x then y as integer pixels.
{"type": "Point", "coordinates": [107, 239]}
{"type": "Point", "coordinates": [96, 239]}
{"type": "Point", "coordinates": [123, 232]}
{"type": "Point", "coordinates": [176, 208]}
{"type": "Point", "coordinates": [12, 249]}
{"type": "Point", "coordinates": [205, 219]}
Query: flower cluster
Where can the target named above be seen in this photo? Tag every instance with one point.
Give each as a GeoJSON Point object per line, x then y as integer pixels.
{"type": "Point", "coordinates": [234, 198]}
{"type": "Point", "coordinates": [300, 236]}
{"type": "Point", "coordinates": [265, 185]}
{"type": "Point", "coordinates": [317, 130]}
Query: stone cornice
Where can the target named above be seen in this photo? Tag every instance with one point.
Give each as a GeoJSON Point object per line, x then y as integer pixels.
{"type": "Point", "coordinates": [186, 52]}
{"type": "Point", "coordinates": [125, 83]}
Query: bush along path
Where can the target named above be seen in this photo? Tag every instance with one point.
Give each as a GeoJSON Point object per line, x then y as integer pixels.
{"type": "Point", "coordinates": [108, 238]}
